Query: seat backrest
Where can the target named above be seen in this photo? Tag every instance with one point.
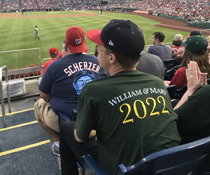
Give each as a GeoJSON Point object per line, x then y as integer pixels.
{"type": "Point", "coordinates": [169, 74]}
{"type": "Point", "coordinates": [172, 90]}
{"type": "Point", "coordinates": [186, 159]}
{"type": "Point", "coordinates": [64, 118]}
{"type": "Point", "coordinates": [192, 158]}
{"type": "Point", "coordinates": [180, 92]}
{"type": "Point", "coordinates": [169, 63]}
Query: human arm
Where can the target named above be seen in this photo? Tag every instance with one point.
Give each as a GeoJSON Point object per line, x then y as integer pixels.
{"type": "Point", "coordinates": [46, 97]}
{"type": "Point", "coordinates": [92, 134]}
{"type": "Point", "coordinates": [195, 79]}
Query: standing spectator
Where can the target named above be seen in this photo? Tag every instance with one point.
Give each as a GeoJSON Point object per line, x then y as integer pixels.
{"type": "Point", "coordinates": [54, 56]}
{"type": "Point", "coordinates": [57, 90]}
{"type": "Point", "coordinates": [160, 49]}
{"type": "Point", "coordinates": [36, 33]}
{"type": "Point", "coordinates": [118, 108]}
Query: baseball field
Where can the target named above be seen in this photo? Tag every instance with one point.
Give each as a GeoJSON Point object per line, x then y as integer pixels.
{"type": "Point", "coordinates": [17, 32]}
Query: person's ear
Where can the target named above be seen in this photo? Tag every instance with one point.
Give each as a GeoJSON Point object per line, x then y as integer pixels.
{"type": "Point", "coordinates": [112, 58]}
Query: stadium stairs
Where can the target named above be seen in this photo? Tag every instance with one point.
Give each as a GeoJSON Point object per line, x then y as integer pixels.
{"type": "Point", "coordinates": [25, 147]}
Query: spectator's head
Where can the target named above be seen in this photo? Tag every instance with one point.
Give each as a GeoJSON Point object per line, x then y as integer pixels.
{"type": "Point", "coordinates": [195, 33]}
{"type": "Point", "coordinates": [64, 49]}
{"type": "Point", "coordinates": [196, 50]}
{"type": "Point", "coordinates": [81, 78]}
{"type": "Point", "coordinates": [191, 34]}
{"type": "Point", "coordinates": [60, 55]}
{"type": "Point", "coordinates": [75, 40]}
{"type": "Point", "coordinates": [119, 43]}
{"type": "Point", "coordinates": [157, 38]}
{"type": "Point", "coordinates": [177, 40]}
{"type": "Point", "coordinates": [54, 52]}
{"type": "Point", "coordinates": [196, 44]}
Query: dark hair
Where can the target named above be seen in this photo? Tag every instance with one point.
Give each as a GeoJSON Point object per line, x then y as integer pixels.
{"type": "Point", "coordinates": [202, 61]}
{"type": "Point", "coordinates": [159, 35]}
{"type": "Point", "coordinates": [54, 55]}
{"type": "Point", "coordinates": [177, 43]}
{"type": "Point", "coordinates": [65, 47]}
{"type": "Point", "coordinates": [36, 26]}
{"type": "Point", "coordinates": [125, 61]}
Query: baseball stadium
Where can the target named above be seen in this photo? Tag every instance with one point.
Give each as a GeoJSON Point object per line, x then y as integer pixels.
{"type": "Point", "coordinates": [28, 32]}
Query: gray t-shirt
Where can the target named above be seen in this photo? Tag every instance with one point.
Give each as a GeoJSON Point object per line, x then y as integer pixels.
{"type": "Point", "coordinates": [151, 64]}
{"type": "Point", "coordinates": [161, 50]}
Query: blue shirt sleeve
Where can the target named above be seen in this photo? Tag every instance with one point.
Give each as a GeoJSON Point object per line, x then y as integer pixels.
{"type": "Point", "coordinates": [47, 81]}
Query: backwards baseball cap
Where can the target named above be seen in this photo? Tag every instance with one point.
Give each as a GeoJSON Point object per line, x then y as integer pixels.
{"type": "Point", "coordinates": [196, 44]}
{"type": "Point", "coordinates": [121, 36]}
{"type": "Point", "coordinates": [178, 37]}
{"type": "Point", "coordinates": [75, 40]}
{"type": "Point", "coordinates": [53, 50]}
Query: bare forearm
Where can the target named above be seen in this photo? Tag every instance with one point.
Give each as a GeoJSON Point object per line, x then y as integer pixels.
{"type": "Point", "coordinates": [184, 98]}
{"type": "Point", "coordinates": [46, 97]}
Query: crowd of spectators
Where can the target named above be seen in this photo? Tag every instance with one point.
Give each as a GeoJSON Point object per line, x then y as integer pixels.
{"type": "Point", "coordinates": [184, 8]}
{"type": "Point", "coordinates": [193, 9]}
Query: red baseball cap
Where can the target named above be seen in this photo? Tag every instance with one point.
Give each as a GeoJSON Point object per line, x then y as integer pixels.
{"type": "Point", "coordinates": [75, 40]}
{"type": "Point", "coordinates": [60, 55]}
{"type": "Point", "coordinates": [53, 50]}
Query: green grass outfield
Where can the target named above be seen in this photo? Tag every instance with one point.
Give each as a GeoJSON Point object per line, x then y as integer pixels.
{"type": "Point", "coordinates": [18, 33]}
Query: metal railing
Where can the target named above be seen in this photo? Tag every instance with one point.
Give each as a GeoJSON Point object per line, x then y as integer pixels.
{"type": "Point", "coordinates": [2, 87]}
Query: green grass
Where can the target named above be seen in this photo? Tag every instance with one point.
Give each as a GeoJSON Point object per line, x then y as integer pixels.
{"type": "Point", "coordinates": [19, 33]}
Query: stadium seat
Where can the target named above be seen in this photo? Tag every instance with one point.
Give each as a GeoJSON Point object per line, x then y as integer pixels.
{"type": "Point", "coordinates": [171, 72]}
{"type": "Point", "coordinates": [172, 90]}
{"type": "Point", "coordinates": [181, 91]}
{"type": "Point", "coordinates": [169, 63]}
{"type": "Point", "coordinates": [64, 118]}
{"type": "Point", "coordinates": [192, 158]}
{"type": "Point", "coordinates": [208, 81]}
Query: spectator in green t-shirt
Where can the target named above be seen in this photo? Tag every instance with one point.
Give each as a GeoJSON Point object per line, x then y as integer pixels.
{"type": "Point", "coordinates": [130, 112]}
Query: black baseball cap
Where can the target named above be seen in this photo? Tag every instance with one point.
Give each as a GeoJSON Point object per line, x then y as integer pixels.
{"type": "Point", "coordinates": [195, 33]}
{"type": "Point", "coordinates": [121, 36]}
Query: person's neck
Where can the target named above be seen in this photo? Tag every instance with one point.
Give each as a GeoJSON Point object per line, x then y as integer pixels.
{"type": "Point", "coordinates": [115, 71]}
{"type": "Point", "coordinates": [159, 43]}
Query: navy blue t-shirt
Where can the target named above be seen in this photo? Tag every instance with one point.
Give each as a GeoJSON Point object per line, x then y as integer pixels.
{"type": "Point", "coordinates": [65, 78]}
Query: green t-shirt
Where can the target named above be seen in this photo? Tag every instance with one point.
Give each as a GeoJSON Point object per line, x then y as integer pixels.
{"type": "Point", "coordinates": [193, 116]}
{"type": "Point", "coordinates": [132, 114]}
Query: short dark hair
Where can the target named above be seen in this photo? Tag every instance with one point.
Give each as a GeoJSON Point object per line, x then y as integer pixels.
{"type": "Point", "coordinates": [36, 26]}
{"type": "Point", "coordinates": [125, 61]}
{"type": "Point", "coordinates": [177, 43]}
{"type": "Point", "coordinates": [159, 35]}
{"type": "Point", "coordinates": [54, 55]}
